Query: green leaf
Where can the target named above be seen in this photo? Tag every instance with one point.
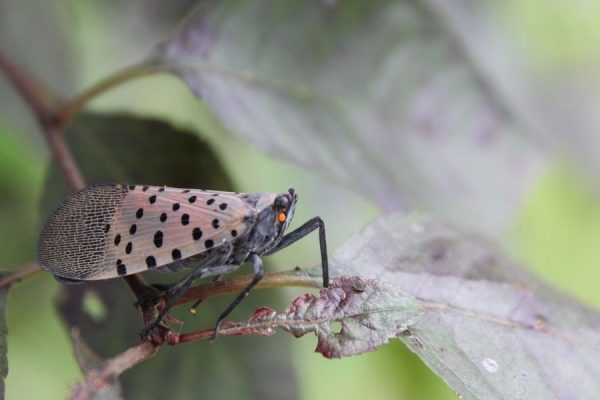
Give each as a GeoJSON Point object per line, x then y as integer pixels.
{"type": "Point", "coordinates": [380, 96]}
{"type": "Point", "coordinates": [127, 149]}
{"type": "Point", "coordinates": [490, 329]}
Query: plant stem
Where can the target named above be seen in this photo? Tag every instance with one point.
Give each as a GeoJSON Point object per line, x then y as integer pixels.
{"type": "Point", "coordinates": [35, 96]}
{"type": "Point", "coordinates": [64, 158]}
{"type": "Point", "coordinates": [73, 106]}
{"type": "Point", "coordinates": [129, 358]}
{"type": "Point", "coordinates": [20, 273]}
{"type": "Point", "coordinates": [100, 374]}
{"type": "Point", "coordinates": [297, 278]}
{"type": "Point", "coordinates": [30, 90]}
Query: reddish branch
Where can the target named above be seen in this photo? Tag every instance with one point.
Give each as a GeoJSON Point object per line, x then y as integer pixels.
{"type": "Point", "coordinates": [35, 96]}
{"type": "Point", "coordinates": [102, 377]}
{"type": "Point", "coordinates": [63, 157]}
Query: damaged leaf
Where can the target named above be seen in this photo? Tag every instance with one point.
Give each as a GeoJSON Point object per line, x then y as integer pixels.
{"type": "Point", "coordinates": [369, 313]}
{"type": "Point", "coordinates": [489, 328]}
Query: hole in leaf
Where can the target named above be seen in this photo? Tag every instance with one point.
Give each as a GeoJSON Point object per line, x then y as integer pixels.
{"type": "Point", "coordinates": [93, 306]}
{"type": "Point", "coordinates": [336, 327]}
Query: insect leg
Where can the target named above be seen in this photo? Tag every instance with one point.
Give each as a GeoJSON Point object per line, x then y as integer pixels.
{"type": "Point", "coordinates": [177, 290]}
{"type": "Point", "coordinates": [259, 272]}
{"type": "Point", "coordinates": [302, 231]}
{"type": "Point", "coordinates": [214, 261]}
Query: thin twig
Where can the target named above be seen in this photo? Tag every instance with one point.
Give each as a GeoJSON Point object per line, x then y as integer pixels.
{"type": "Point", "coordinates": [101, 374]}
{"type": "Point", "coordinates": [73, 106]}
{"type": "Point", "coordinates": [30, 89]}
{"type": "Point", "coordinates": [296, 277]}
{"type": "Point", "coordinates": [35, 96]}
{"type": "Point", "coordinates": [20, 273]}
{"type": "Point", "coordinates": [64, 159]}
{"type": "Point", "coordinates": [117, 365]}
{"type": "Point", "coordinates": [263, 322]}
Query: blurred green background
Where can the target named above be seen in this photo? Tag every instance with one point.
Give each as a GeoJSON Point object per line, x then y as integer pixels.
{"type": "Point", "coordinates": [71, 44]}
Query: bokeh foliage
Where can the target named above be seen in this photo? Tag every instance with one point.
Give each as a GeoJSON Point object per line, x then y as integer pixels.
{"type": "Point", "coordinates": [554, 230]}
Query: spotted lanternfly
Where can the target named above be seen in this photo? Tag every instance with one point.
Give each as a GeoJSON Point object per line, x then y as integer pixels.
{"type": "Point", "coordinates": [108, 231]}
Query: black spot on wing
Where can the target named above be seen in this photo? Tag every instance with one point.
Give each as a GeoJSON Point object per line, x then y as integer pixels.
{"type": "Point", "coordinates": [121, 269]}
{"type": "Point", "coordinates": [197, 233]}
{"type": "Point", "coordinates": [176, 254]}
{"type": "Point", "coordinates": [150, 261]}
{"type": "Point", "coordinates": [158, 239]}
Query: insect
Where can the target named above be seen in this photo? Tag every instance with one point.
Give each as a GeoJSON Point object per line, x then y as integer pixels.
{"type": "Point", "coordinates": [109, 231]}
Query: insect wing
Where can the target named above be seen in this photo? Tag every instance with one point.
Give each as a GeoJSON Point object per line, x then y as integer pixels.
{"type": "Point", "coordinates": [105, 231]}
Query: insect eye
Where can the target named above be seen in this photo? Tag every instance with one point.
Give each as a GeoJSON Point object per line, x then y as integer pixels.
{"type": "Point", "coordinates": [281, 202]}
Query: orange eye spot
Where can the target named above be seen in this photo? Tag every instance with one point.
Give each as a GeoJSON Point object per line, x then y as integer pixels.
{"type": "Point", "coordinates": [282, 217]}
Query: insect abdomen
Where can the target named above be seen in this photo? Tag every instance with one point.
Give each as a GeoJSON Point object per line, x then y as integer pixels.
{"type": "Point", "coordinates": [72, 243]}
